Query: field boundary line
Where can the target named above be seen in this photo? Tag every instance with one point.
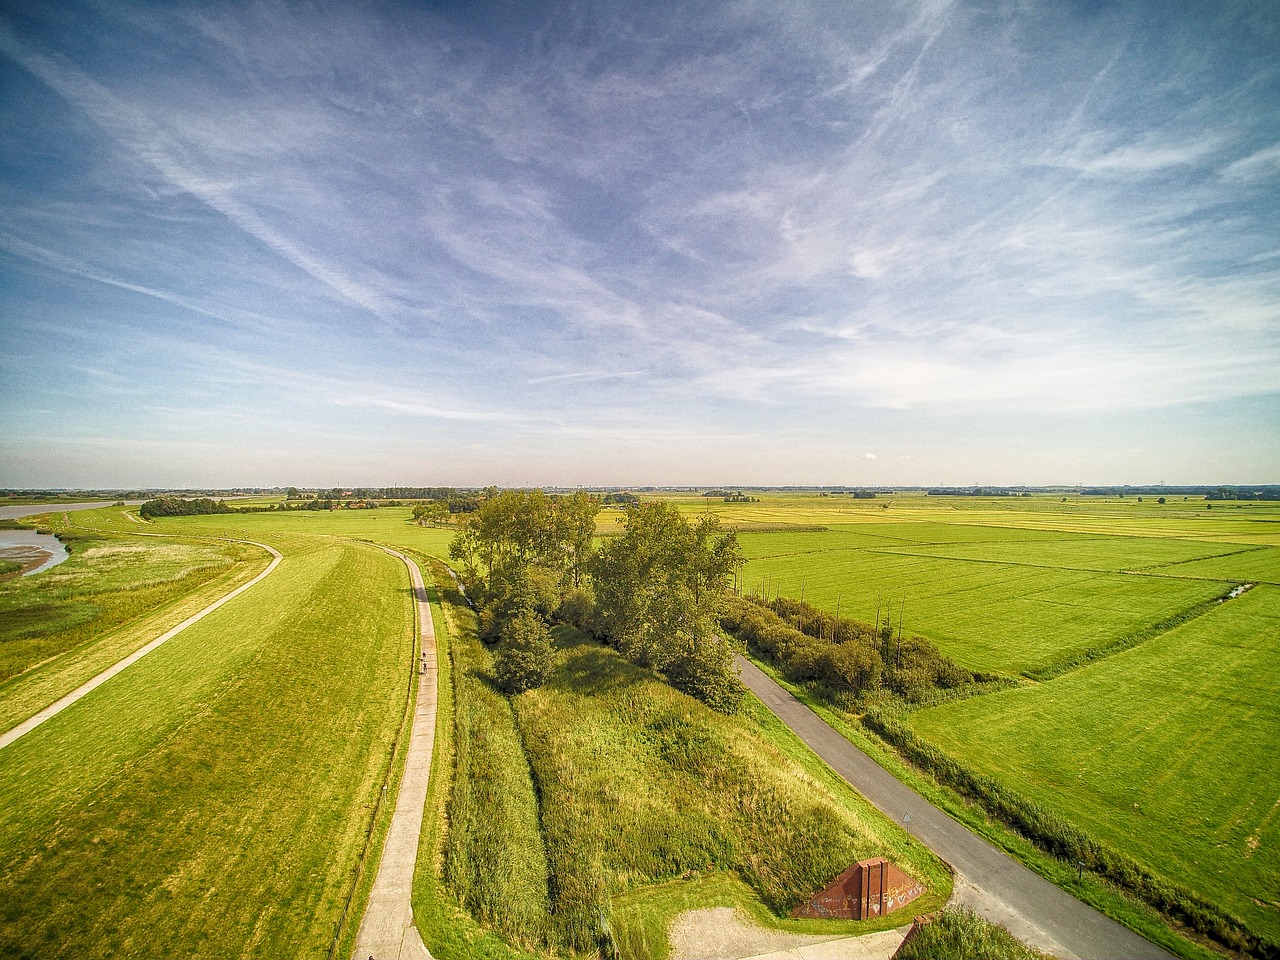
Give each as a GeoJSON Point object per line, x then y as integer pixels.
{"type": "Point", "coordinates": [89, 686]}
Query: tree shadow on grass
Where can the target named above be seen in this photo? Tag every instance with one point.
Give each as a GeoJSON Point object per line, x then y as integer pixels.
{"type": "Point", "coordinates": [589, 667]}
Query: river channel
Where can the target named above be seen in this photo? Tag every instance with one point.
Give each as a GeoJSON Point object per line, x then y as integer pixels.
{"type": "Point", "coordinates": [36, 551]}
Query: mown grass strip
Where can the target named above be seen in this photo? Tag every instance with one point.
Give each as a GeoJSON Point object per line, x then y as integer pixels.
{"type": "Point", "coordinates": [211, 800]}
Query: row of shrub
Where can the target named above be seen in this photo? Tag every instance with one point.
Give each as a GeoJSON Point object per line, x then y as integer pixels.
{"type": "Point", "coordinates": [1061, 839]}
{"type": "Point", "coordinates": [842, 657]}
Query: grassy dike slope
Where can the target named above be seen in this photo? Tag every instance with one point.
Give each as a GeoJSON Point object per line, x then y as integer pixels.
{"type": "Point", "coordinates": [1166, 752]}
{"type": "Point", "coordinates": [115, 593]}
{"type": "Point", "coordinates": [212, 800]}
{"type": "Point", "coordinates": [604, 802]}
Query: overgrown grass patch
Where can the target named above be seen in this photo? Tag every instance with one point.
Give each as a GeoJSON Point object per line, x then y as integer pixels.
{"type": "Point", "coordinates": [448, 930]}
{"type": "Point", "coordinates": [960, 934]}
{"type": "Point", "coordinates": [640, 784]}
{"type": "Point", "coordinates": [494, 859]}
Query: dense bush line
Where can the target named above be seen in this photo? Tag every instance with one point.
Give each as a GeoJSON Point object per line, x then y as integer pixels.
{"type": "Point", "coordinates": [494, 860]}
{"type": "Point", "coordinates": [840, 657]}
{"type": "Point", "coordinates": [1059, 838]}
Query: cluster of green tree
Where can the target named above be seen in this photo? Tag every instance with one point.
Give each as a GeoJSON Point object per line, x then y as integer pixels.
{"type": "Point", "coordinates": [863, 494]}
{"type": "Point", "coordinates": [655, 591]}
{"type": "Point", "coordinates": [733, 496]}
{"type": "Point", "coordinates": [524, 555]}
{"type": "Point", "coordinates": [178, 507]}
{"type": "Point", "coordinates": [1236, 493]}
{"type": "Point", "coordinates": [620, 500]}
{"type": "Point", "coordinates": [839, 656]}
{"type": "Point", "coordinates": [660, 589]}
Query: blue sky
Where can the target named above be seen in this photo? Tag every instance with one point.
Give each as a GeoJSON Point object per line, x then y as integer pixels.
{"type": "Point", "coordinates": [858, 243]}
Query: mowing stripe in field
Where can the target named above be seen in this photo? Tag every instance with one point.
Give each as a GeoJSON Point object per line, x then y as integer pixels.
{"type": "Point", "coordinates": [84, 689]}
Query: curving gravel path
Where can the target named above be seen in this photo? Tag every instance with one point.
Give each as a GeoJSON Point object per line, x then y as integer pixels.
{"type": "Point", "coordinates": [88, 687]}
{"type": "Point", "coordinates": [988, 880]}
{"type": "Point", "coordinates": [387, 931]}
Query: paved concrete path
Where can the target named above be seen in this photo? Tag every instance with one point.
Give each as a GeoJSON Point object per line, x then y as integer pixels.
{"type": "Point", "coordinates": [387, 931]}
{"type": "Point", "coordinates": [84, 689]}
{"type": "Point", "coordinates": [988, 880]}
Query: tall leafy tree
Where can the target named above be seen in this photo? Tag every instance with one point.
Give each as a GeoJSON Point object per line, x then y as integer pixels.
{"type": "Point", "coordinates": [659, 590]}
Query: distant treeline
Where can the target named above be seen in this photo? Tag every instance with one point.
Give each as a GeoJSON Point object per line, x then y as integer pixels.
{"type": "Point", "coordinates": [178, 507]}
{"type": "Point", "coordinates": [387, 493]}
{"type": "Point", "coordinates": [1262, 492]}
{"type": "Point", "coordinates": [977, 492]}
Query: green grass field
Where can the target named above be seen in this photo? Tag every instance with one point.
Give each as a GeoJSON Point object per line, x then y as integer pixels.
{"type": "Point", "coordinates": [213, 799]}
{"type": "Point", "coordinates": [1166, 752]}
{"type": "Point", "coordinates": [1163, 747]}
{"type": "Point", "coordinates": [1001, 600]}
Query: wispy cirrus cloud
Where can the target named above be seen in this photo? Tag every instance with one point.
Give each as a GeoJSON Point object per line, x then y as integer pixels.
{"type": "Point", "coordinates": [523, 232]}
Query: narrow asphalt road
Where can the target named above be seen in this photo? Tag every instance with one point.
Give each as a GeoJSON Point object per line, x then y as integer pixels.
{"type": "Point", "coordinates": [89, 686]}
{"type": "Point", "coordinates": [387, 931]}
{"type": "Point", "coordinates": [988, 880]}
